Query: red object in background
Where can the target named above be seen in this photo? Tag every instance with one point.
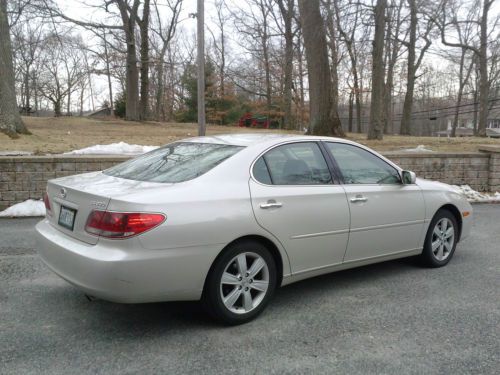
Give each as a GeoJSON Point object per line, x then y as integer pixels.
{"type": "Point", "coordinates": [250, 121]}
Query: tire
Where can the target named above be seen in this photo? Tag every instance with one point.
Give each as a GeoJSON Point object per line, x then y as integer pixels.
{"type": "Point", "coordinates": [441, 239]}
{"type": "Point", "coordinates": [244, 293]}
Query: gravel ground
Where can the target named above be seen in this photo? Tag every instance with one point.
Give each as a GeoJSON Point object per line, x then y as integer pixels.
{"type": "Point", "coordinates": [392, 318]}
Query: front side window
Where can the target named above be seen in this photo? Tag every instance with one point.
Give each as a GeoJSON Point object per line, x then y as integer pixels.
{"type": "Point", "coordinates": [293, 164]}
{"type": "Point", "coordinates": [175, 162]}
{"type": "Point", "coordinates": [359, 166]}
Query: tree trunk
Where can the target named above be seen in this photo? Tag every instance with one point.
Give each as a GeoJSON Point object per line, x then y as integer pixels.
{"type": "Point", "coordinates": [57, 108]}
{"type": "Point", "coordinates": [144, 28]}
{"type": "Point", "coordinates": [351, 110]}
{"type": "Point", "coordinates": [300, 59]}
{"type": "Point", "coordinates": [82, 92]}
{"type": "Point", "coordinates": [267, 68]}
{"type": "Point", "coordinates": [351, 50]}
{"type": "Point", "coordinates": [376, 126]}
{"type": "Point", "coordinates": [332, 30]}
{"type": "Point", "coordinates": [410, 82]}
{"type": "Point", "coordinates": [10, 120]}
{"type": "Point", "coordinates": [132, 72]}
{"type": "Point", "coordinates": [68, 102]}
{"type": "Point", "coordinates": [287, 15]}
{"type": "Point", "coordinates": [324, 119]}
{"type": "Point", "coordinates": [160, 90]}
{"type": "Point", "coordinates": [462, 82]}
{"type": "Point", "coordinates": [108, 75]}
{"type": "Point", "coordinates": [484, 86]}
{"type": "Point", "coordinates": [393, 48]}
{"type": "Point", "coordinates": [27, 91]}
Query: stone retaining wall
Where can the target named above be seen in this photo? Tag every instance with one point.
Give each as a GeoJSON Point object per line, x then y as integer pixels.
{"type": "Point", "coordinates": [452, 168]}
{"type": "Point", "coordinates": [24, 177]}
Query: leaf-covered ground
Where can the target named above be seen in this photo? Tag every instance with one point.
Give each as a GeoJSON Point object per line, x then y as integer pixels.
{"type": "Point", "coordinates": [57, 135]}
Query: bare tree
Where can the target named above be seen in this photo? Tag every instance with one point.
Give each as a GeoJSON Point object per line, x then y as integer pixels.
{"type": "Point", "coordinates": [144, 31]}
{"type": "Point", "coordinates": [63, 71]}
{"type": "Point", "coordinates": [220, 44]}
{"type": "Point", "coordinates": [413, 63]}
{"type": "Point", "coordinates": [393, 48]}
{"type": "Point", "coordinates": [26, 41]}
{"type": "Point", "coordinates": [252, 21]}
{"type": "Point", "coordinates": [480, 51]}
{"type": "Point", "coordinates": [331, 27]}
{"type": "Point", "coordinates": [166, 36]}
{"type": "Point", "coordinates": [128, 14]}
{"type": "Point", "coordinates": [376, 128]}
{"type": "Point", "coordinates": [351, 20]}
{"type": "Point", "coordinates": [323, 119]}
{"type": "Point", "coordinates": [10, 120]}
{"type": "Point", "coordinates": [287, 12]}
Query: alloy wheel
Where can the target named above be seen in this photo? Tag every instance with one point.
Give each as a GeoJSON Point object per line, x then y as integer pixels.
{"type": "Point", "coordinates": [244, 282]}
{"type": "Point", "coordinates": [443, 239]}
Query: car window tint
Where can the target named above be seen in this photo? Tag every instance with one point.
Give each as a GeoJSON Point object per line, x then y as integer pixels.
{"type": "Point", "coordinates": [261, 173]}
{"type": "Point", "coordinates": [359, 166]}
{"type": "Point", "coordinates": [175, 162]}
{"type": "Point", "coordinates": [297, 164]}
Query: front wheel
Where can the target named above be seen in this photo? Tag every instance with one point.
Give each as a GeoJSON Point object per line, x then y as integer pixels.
{"type": "Point", "coordinates": [441, 239]}
{"type": "Point", "coordinates": [240, 283]}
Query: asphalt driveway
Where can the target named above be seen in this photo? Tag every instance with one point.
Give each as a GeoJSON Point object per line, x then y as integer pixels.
{"type": "Point", "coordinates": [394, 317]}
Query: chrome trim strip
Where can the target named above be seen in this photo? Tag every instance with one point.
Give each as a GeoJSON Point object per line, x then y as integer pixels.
{"type": "Point", "coordinates": [298, 236]}
{"type": "Point", "coordinates": [342, 231]}
{"type": "Point", "coordinates": [392, 225]}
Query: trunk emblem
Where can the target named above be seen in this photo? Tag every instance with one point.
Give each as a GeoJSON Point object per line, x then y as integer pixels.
{"type": "Point", "coordinates": [62, 193]}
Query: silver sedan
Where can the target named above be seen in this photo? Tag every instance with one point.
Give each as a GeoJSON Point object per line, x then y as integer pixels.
{"type": "Point", "coordinates": [227, 219]}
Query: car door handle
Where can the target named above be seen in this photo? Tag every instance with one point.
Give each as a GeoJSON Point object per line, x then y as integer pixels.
{"type": "Point", "coordinates": [271, 204]}
{"type": "Point", "coordinates": [358, 198]}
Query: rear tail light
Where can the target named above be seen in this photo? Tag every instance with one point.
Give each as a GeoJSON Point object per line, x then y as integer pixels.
{"type": "Point", "coordinates": [121, 224]}
{"type": "Point", "coordinates": [46, 201]}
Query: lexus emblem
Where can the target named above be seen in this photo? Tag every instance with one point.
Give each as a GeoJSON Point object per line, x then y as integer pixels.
{"type": "Point", "coordinates": [62, 193]}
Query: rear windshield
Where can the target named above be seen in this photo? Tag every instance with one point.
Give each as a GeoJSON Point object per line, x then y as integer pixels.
{"type": "Point", "coordinates": [175, 162]}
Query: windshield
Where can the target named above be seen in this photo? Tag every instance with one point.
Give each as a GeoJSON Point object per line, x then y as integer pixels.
{"type": "Point", "coordinates": [175, 162]}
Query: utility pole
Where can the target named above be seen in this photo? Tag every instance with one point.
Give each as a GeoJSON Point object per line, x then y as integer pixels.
{"type": "Point", "coordinates": [201, 67]}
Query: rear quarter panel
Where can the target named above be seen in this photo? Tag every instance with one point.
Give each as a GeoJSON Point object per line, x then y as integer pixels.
{"type": "Point", "coordinates": [202, 212]}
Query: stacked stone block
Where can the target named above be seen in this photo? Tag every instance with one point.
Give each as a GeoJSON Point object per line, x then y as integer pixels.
{"type": "Point", "coordinates": [452, 168]}
{"type": "Point", "coordinates": [494, 167]}
{"type": "Point", "coordinates": [24, 178]}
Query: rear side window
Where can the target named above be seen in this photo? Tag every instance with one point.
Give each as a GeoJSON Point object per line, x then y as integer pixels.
{"type": "Point", "coordinates": [293, 164]}
{"type": "Point", "coordinates": [175, 162]}
{"type": "Point", "coordinates": [359, 166]}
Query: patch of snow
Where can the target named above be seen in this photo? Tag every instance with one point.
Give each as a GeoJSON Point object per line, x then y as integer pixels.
{"type": "Point", "coordinates": [120, 148]}
{"type": "Point", "coordinates": [475, 196]}
{"type": "Point", "coordinates": [30, 207]}
{"type": "Point", "coordinates": [419, 148]}
{"type": "Point", "coordinates": [15, 153]}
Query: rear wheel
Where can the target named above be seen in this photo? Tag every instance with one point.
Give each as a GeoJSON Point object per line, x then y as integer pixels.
{"type": "Point", "coordinates": [240, 283]}
{"type": "Point", "coordinates": [441, 239]}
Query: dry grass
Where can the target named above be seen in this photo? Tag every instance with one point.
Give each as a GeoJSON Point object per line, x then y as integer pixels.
{"type": "Point", "coordinates": [57, 135]}
{"type": "Point", "coordinates": [443, 144]}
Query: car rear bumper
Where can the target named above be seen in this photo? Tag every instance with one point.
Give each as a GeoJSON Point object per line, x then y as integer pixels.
{"type": "Point", "coordinates": [125, 276]}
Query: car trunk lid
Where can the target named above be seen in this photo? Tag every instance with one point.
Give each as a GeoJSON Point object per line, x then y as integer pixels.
{"type": "Point", "coordinates": [80, 195]}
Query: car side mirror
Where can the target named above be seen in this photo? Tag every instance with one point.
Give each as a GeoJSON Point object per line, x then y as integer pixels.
{"type": "Point", "coordinates": [408, 177]}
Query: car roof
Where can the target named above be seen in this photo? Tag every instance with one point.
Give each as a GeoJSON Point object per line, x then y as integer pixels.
{"type": "Point", "coordinates": [250, 139]}
{"type": "Point", "coordinates": [257, 143]}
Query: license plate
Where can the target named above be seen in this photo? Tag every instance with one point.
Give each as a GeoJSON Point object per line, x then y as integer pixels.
{"type": "Point", "coordinates": [67, 217]}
